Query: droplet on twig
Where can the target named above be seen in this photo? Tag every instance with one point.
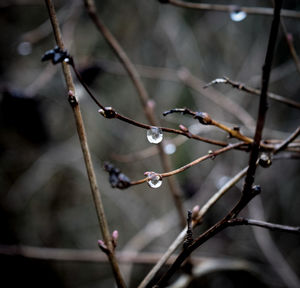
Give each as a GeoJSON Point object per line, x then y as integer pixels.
{"type": "Point", "coordinates": [238, 15]}
{"type": "Point", "coordinates": [170, 148]}
{"type": "Point", "coordinates": [154, 135]}
{"type": "Point", "coordinates": [154, 180]}
{"type": "Point", "coordinates": [216, 81]}
{"type": "Point", "coordinates": [24, 48]}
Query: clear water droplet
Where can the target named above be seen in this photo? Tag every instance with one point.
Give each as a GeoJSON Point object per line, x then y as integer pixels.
{"type": "Point", "coordinates": [154, 135]}
{"type": "Point", "coordinates": [238, 15]}
{"type": "Point", "coordinates": [24, 48]}
{"type": "Point", "coordinates": [154, 180]}
{"type": "Point", "coordinates": [170, 148]}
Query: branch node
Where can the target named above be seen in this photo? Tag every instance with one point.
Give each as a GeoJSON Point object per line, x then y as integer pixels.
{"type": "Point", "coordinates": [203, 118]}
{"type": "Point", "coordinates": [103, 246]}
{"type": "Point", "coordinates": [189, 233]}
{"type": "Point", "coordinates": [108, 112]}
{"type": "Point", "coordinates": [72, 99]}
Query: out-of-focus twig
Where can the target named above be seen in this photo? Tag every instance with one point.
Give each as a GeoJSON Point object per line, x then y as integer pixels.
{"type": "Point", "coordinates": [286, 142]}
{"type": "Point", "coordinates": [229, 8]}
{"type": "Point", "coordinates": [254, 91]}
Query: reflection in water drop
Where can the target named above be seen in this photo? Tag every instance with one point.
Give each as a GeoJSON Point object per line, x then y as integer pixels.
{"type": "Point", "coordinates": [154, 135]}
{"type": "Point", "coordinates": [170, 148]}
{"type": "Point", "coordinates": [154, 180]}
{"type": "Point", "coordinates": [238, 15]}
{"type": "Point", "coordinates": [24, 48]}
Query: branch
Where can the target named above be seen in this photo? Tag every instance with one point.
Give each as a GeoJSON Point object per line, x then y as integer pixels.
{"type": "Point", "coordinates": [243, 87]}
{"type": "Point", "coordinates": [286, 142]}
{"type": "Point", "coordinates": [205, 119]}
{"type": "Point", "coordinates": [85, 150]}
{"type": "Point", "coordinates": [211, 154]}
{"type": "Point", "coordinates": [229, 8]}
{"type": "Point", "coordinates": [264, 224]}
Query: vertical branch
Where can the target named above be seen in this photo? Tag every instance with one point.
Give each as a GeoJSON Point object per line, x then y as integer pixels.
{"type": "Point", "coordinates": [144, 98]}
{"type": "Point", "coordinates": [263, 104]}
{"type": "Point", "coordinates": [85, 150]}
{"type": "Point", "coordinates": [248, 191]}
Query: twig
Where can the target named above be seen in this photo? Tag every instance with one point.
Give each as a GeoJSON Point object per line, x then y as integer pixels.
{"type": "Point", "coordinates": [211, 155]}
{"type": "Point", "coordinates": [85, 149]}
{"type": "Point", "coordinates": [205, 119]}
{"type": "Point", "coordinates": [286, 142]}
{"type": "Point", "coordinates": [229, 8]}
{"type": "Point", "coordinates": [248, 192]}
{"type": "Point", "coordinates": [254, 91]}
{"type": "Point", "coordinates": [264, 224]}
{"type": "Point", "coordinates": [143, 96]}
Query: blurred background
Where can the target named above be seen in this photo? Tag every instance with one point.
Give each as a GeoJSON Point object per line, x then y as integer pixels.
{"type": "Point", "coordinates": [45, 199]}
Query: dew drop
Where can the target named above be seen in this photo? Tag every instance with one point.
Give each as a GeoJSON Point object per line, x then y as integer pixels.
{"type": "Point", "coordinates": [170, 148]}
{"type": "Point", "coordinates": [154, 135]}
{"type": "Point", "coordinates": [24, 48]}
{"type": "Point", "coordinates": [154, 180]}
{"type": "Point", "coordinates": [238, 15]}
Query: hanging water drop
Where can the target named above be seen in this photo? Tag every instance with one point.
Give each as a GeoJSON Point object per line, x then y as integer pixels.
{"type": "Point", "coordinates": [154, 135]}
{"type": "Point", "coordinates": [170, 148]}
{"type": "Point", "coordinates": [154, 180]}
{"type": "Point", "coordinates": [238, 15]}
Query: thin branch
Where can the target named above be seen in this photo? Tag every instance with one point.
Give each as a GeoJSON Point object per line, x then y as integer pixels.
{"type": "Point", "coordinates": [229, 8]}
{"type": "Point", "coordinates": [143, 96]}
{"type": "Point", "coordinates": [286, 142]}
{"type": "Point", "coordinates": [243, 87]}
{"type": "Point", "coordinates": [205, 119]}
{"type": "Point", "coordinates": [211, 155]}
{"type": "Point", "coordinates": [264, 224]}
{"type": "Point", "coordinates": [85, 149]}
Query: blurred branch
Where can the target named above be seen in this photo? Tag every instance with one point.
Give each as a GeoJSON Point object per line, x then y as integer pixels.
{"type": "Point", "coordinates": [143, 96]}
{"type": "Point", "coordinates": [286, 142]}
{"type": "Point", "coordinates": [264, 224]}
{"type": "Point", "coordinates": [85, 149]}
{"type": "Point", "coordinates": [230, 8]}
{"type": "Point", "coordinates": [254, 91]}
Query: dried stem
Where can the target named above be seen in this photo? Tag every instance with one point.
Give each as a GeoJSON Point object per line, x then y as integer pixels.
{"type": "Point", "coordinates": [85, 149]}
{"type": "Point", "coordinates": [264, 224]}
{"type": "Point", "coordinates": [143, 96]}
{"type": "Point", "coordinates": [229, 8]}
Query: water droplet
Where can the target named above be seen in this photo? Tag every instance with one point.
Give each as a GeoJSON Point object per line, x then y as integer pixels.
{"type": "Point", "coordinates": [238, 15]}
{"type": "Point", "coordinates": [154, 180]}
{"type": "Point", "coordinates": [24, 48]}
{"type": "Point", "coordinates": [170, 148]}
{"type": "Point", "coordinates": [154, 135]}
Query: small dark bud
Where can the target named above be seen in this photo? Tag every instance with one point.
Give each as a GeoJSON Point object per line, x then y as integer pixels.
{"type": "Point", "coordinates": [256, 189]}
{"type": "Point", "coordinates": [236, 128]}
{"type": "Point", "coordinates": [116, 178]}
{"type": "Point", "coordinates": [203, 118]}
{"type": "Point", "coordinates": [265, 160]}
{"type": "Point", "coordinates": [57, 55]}
{"type": "Point", "coordinates": [163, 1]}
